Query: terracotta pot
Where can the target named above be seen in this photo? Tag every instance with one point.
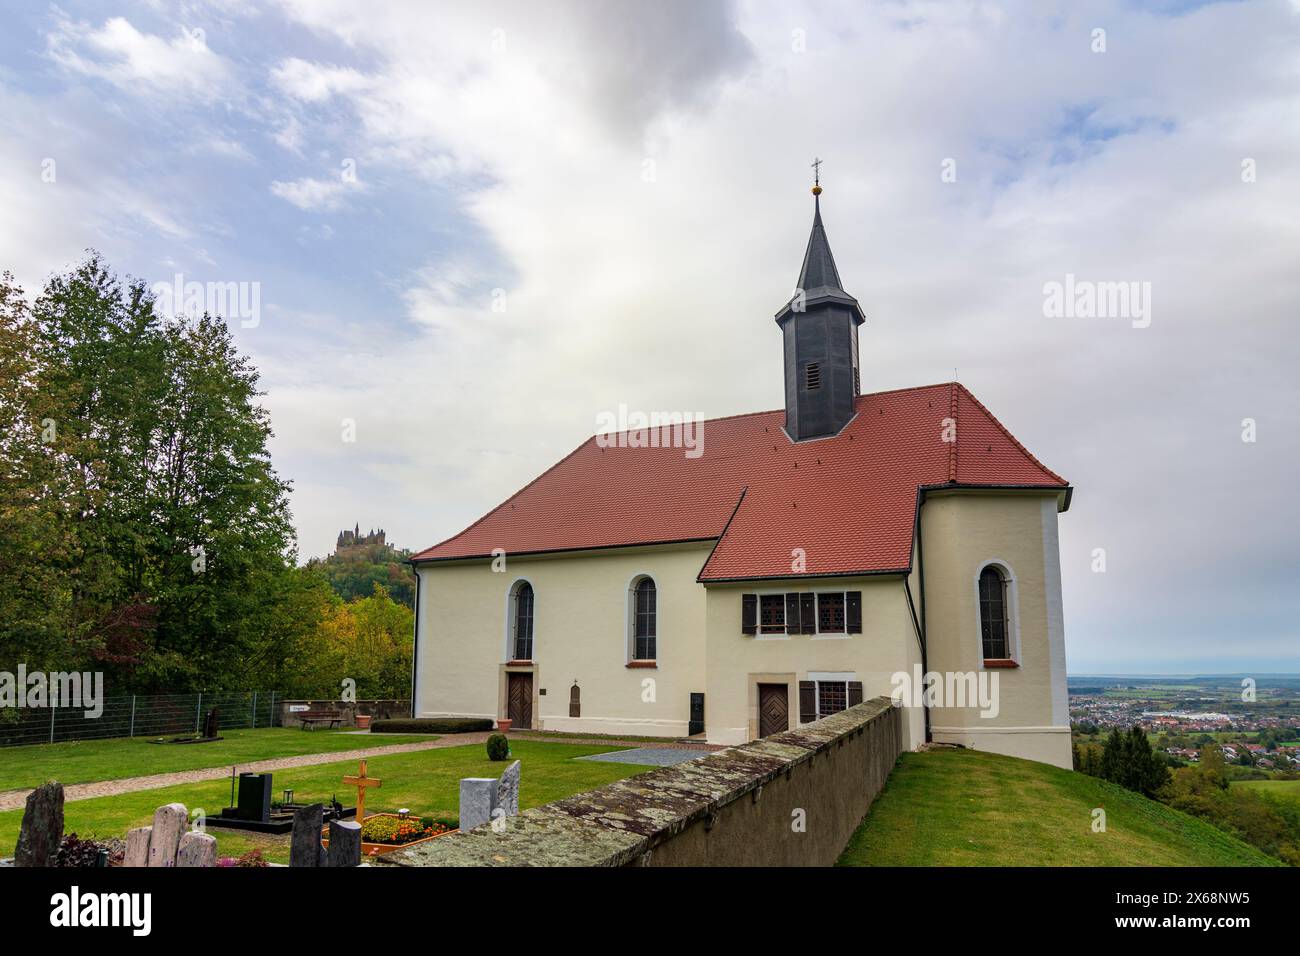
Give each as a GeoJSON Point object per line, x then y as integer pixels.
{"type": "Point", "coordinates": [363, 721]}
{"type": "Point", "coordinates": [504, 726]}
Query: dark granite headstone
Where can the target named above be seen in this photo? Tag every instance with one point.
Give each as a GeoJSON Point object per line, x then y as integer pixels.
{"type": "Point", "coordinates": [305, 846]}
{"type": "Point", "coordinates": [212, 724]}
{"type": "Point", "coordinates": [254, 797]}
{"type": "Point", "coordinates": [42, 827]}
{"type": "Point", "coordinates": [345, 843]}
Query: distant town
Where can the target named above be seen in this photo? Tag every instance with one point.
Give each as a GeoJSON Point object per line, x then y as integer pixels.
{"type": "Point", "coordinates": [1255, 721]}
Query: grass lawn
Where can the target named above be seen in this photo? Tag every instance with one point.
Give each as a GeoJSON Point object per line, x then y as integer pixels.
{"type": "Point", "coordinates": [971, 808]}
{"type": "Point", "coordinates": [427, 782]}
{"type": "Point", "coordinates": [85, 761]}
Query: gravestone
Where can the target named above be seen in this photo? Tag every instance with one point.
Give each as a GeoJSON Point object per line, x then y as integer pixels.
{"type": "Point", "coordinates": [254, 797]}
{"type": "Point", "coordinates": [508, 790]}
{"type": "Point", "coordinates": [169, 824]}
{"type": "Point", "coordinates": [345, 843]}
{"type": "Point", "coordinates": [197, 849]}
{"type": "Point", "coordinates": [212, 724]}
{"type": "Point", "coordinates": [137, 847]}
{"type": "Point", "coordinates": [169, 842]}
{"type": "Point", "coordinates": [478, 798]}
{"type": "Point", "coordinates": [42, 826]}
{"type": "Point", "coordinates": [305, 847]}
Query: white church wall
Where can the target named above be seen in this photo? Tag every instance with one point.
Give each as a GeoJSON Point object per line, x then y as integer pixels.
{"type": "Point", "coordinates": [962, 532]}
{"type": "Point", "coordinates": [581, 629]}
{"type": "Point", "coordinates": [738, 662]}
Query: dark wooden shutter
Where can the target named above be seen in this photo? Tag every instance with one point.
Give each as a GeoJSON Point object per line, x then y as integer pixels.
{"type": "Point", "coordinates": [792, 613]}
{"type": "Point", "coordinates": [808, 613]}
{"type": "Point", "coordinates": [749, 613]}
{"type": "Point", "coordinates": [853, 612]}
{"type": "Point", "coordinates": [807, 701]}
{"type": "Point", "coordinates": [855, 692]}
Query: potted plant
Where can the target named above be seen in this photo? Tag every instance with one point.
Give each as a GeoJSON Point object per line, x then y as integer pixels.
{"type": "Point", "coordinates": [363, 721]}
{"type": "Point", "coordinates": [504, 725]}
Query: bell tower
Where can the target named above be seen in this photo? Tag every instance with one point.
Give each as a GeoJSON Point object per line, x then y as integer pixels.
{"type": "Point", "coordinates": [819, 327]}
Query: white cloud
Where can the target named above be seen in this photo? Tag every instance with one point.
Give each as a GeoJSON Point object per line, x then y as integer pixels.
{"type": "Point", "coordinates": [313, 82]}
{"type": "Point", "coordinates": [314, 195]}
{"type": "Point", "coordinates": [139, 62]}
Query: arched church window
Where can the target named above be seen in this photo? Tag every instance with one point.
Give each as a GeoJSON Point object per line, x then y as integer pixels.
{"type": "Point", "coordinates": [644, 623]}
{"type": "Point", "coordinates": [523, 649]}
{"type": "Point", "coordinates": [994, 625]}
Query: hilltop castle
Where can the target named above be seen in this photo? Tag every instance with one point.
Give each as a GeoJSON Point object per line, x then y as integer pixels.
{"type": "Point", "coordinates": [355, 539]}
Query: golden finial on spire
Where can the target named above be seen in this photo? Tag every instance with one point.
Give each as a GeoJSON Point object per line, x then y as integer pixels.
{"type": "Point", "coordinates": [817, 176]}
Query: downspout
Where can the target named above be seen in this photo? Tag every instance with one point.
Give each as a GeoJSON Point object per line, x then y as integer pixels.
{"type": "Point", "coordinates": [415, 642]}
{"type": "Point", "coordinates": [920, 570]}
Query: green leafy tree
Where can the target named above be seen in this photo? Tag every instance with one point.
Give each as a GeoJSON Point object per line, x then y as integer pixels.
{"type": "Point", "coordinates": [141, 478]}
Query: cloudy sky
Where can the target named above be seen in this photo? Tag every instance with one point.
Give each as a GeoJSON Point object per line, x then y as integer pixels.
{"type": "Point", "coordinates": [473, 227]}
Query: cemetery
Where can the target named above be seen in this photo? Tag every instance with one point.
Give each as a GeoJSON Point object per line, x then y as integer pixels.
{"type": "Point", "coordinates": [355, 809]}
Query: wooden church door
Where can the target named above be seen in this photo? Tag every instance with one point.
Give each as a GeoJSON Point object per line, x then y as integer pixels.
{"type": "Point", "coordinates": [519, 701]}
{"type": "Point", "coordinates": [773, 709]}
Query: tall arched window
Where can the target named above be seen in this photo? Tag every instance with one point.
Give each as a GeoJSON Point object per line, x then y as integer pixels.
{"type": "Point", "coordinates": [994, 624]}
{"type": "Point", "coordinates": [643, 621]}
{"type": "Point", "coordinates": [523, 649]}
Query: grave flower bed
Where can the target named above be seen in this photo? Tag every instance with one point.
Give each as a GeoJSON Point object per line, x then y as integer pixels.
{"type": "Point", "coordinates": [385, 832]}
{"type": "Point", "coordinates": [386, 828]}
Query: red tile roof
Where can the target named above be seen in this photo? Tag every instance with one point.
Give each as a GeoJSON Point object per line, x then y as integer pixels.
{"type": "Point", "coordinates": [848, 501]}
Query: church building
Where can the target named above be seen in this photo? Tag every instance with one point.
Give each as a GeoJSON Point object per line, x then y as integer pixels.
{"type": "Point", "coordinates": [809, 557]}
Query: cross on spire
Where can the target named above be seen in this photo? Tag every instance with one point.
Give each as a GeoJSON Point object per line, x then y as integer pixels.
{"type": "Point", "coordinates": [817, 172]}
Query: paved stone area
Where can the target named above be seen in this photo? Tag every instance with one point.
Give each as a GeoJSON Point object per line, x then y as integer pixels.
{"type": "Point", "coordinates": [648, 756]}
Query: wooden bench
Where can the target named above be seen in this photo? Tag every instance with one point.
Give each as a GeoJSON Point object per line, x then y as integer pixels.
{"type": "Point", "coordinates": [310, 718]}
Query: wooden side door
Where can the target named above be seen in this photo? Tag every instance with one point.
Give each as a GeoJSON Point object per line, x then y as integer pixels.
{"type": "Point", "coordinates": [773, 709]}
{"type": "Point", "coordinates": [519, 700]}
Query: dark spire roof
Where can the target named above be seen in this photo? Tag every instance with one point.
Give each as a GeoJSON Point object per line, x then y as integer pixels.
{"type": "Point", "coordinates": [819, 279]}
{"type": "Point", "coordinates": [818, 270]}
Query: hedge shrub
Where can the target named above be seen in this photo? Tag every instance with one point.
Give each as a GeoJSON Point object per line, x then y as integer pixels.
{"type": "Point", "coordinates": [498, 748]}
{"type": "Point", "coordinates": [430, 725]}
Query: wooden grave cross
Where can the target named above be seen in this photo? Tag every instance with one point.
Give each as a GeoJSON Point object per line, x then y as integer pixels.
{"type": "Point", "coordinates": [362, 782]}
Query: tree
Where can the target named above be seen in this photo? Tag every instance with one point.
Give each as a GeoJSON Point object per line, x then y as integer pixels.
{"type": "Point", "coordinates": [137, 470]}
{"type": "Point", "coordinates": [1128, 760]}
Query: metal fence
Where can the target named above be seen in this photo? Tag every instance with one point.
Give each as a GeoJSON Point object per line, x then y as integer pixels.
{"type": "Point", "coordinates": [139, 716]}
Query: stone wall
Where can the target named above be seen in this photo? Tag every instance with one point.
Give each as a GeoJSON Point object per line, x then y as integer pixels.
{"type": "Point", "coordinates": [792, 799]}
{"type": "Point", "coordinates": [378, 709]}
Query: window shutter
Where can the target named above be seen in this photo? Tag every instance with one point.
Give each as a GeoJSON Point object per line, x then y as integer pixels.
{"type": "Point", "coordinates": [792, 613]}
{"type": "Point", "coordinates": [855, 692]}
{"type": "Point", "coordinates": [853, 612]}
{"type": "Point", "coordinates": [749, 614]}
{"type": "Point", "coordinates": [807, 701]}
{"type": "Point", "coordinates": [808, 613]}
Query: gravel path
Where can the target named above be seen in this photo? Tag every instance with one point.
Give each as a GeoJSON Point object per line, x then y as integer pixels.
{"type": "Point", "coordinates": [16, 799]}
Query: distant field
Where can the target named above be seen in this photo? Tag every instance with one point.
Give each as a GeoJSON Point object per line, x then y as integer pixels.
{"type": "Point", "coordinates": [1281, 789]}
{"type": "Point", "coordinates": [969, 808]}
